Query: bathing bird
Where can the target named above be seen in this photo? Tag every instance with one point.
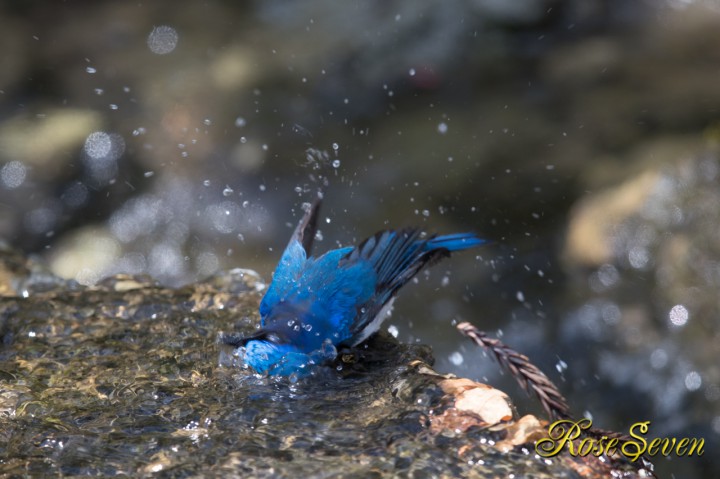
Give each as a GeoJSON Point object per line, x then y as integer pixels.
{"type": "Point", "coordinates": [316, 305]}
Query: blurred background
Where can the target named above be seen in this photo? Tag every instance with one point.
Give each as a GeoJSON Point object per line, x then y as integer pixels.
{"type": "Point", "coordinates": [180, 138]}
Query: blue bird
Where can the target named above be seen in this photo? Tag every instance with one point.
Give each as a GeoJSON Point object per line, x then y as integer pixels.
{"type": "Point", "coordinates": [315, 305]}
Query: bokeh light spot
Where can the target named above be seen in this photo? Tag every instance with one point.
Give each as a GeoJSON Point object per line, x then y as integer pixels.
{"type": "Point", "coordinates": [98, 145]}
{"type": "Point", "coordinates": [678, 315]}
{"type": "Point", "coordinates": [13, 174]}
{"type": "Point", "coordinates": [162, 40]}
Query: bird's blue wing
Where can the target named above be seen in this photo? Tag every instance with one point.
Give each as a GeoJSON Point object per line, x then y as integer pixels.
{"type": "Point", "coordinates": [286, 275]}
{"type": "Point", "coordinates": [335, 293]}
{"type": "Point", "coordinates": [293, 260]}
{"type": "Point", "coordinates": [396, 257]}
{"type": "Point", "coordinates": [329, 296]}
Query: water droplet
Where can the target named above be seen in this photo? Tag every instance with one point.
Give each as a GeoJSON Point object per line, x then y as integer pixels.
{"type": "Point", "coordinates": [659, 358]}
{"type": "Point", "coordinates": [693, 381]}
{"type": "Point", "coordinates": [91, 70]}
{"type": "Point", "coordinates": [442, 128]}
{"type": "Point", "coordinates": [561, 366]}
{"type": "Point", "coordinates": [162, 40]}
{"type": "Point", "coordinates": [336, 163]}
{"type": "Point", "coordinates": [456, 358]}
{"type": "Point", "coordinates": [608, 275]}
{"type": "Point", "coordinates": [98, 145]}
{"type": "Point", "coordinates": [206, 183]}
{"type": "Point", "coordinates": [412, 72]}
{"type": "Point", "coordinates": [13, 174]}
{"type": "Point", "coordinates": [679, 315]}
{"type": "Point", "coordinates": [393, 330]}
{"type": "Point", "coordinates": [99, 91]}
{"type": "Point", "coordinates": [520, 296]}
{"type": "Point", "coordinates": [227, 191]}
{"type": "Point", "coordinates": [335, 146]}
{"type": "Point", "coordinates": [638, 257]}
{"type": "Point", "coordinates": [207, 122]}
{"type": "Point", "coordinates": [240, 122]}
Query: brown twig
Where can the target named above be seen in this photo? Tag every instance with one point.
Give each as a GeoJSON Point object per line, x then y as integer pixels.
{"type": "Point", "coordinates": [533, 380]}
{"type": "Point", "coordinates": [530, 377]}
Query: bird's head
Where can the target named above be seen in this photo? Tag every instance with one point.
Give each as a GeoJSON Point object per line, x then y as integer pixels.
{"type": "Point", "coordinates": [284, 346]}
{"type": "Point", "coordinates": [269, 354]}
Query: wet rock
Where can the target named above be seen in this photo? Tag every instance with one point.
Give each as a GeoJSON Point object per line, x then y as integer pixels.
{"type": "Point", "coordinates": [126, 377]}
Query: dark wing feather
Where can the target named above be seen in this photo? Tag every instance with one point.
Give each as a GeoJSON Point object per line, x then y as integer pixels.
{"type": "Point", "coordinates": [307, 227]}
{"type": "Point", "coordinates": [396, 257]}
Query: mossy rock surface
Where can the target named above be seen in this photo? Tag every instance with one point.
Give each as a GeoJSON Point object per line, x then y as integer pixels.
{"type": "Point", "coordinates": [127, 378]}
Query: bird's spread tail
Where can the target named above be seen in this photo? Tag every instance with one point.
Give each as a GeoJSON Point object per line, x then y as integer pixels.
{"type": "Point", "coordinates": [455, 242]}
{"type": "Point", "coordinates": [396, 257]}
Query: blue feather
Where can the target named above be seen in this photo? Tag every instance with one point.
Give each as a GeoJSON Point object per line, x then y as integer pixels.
{"type": "Point", "coordinates": [315, 305]}
{"type": "Point", "coordinates": [286, 275]}
{"type": "Point", "coordinates": [456, 242]}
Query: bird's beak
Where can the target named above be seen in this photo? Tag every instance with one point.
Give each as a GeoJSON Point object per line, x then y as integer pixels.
{"type": "Point", "coordinates": [237, 341]}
